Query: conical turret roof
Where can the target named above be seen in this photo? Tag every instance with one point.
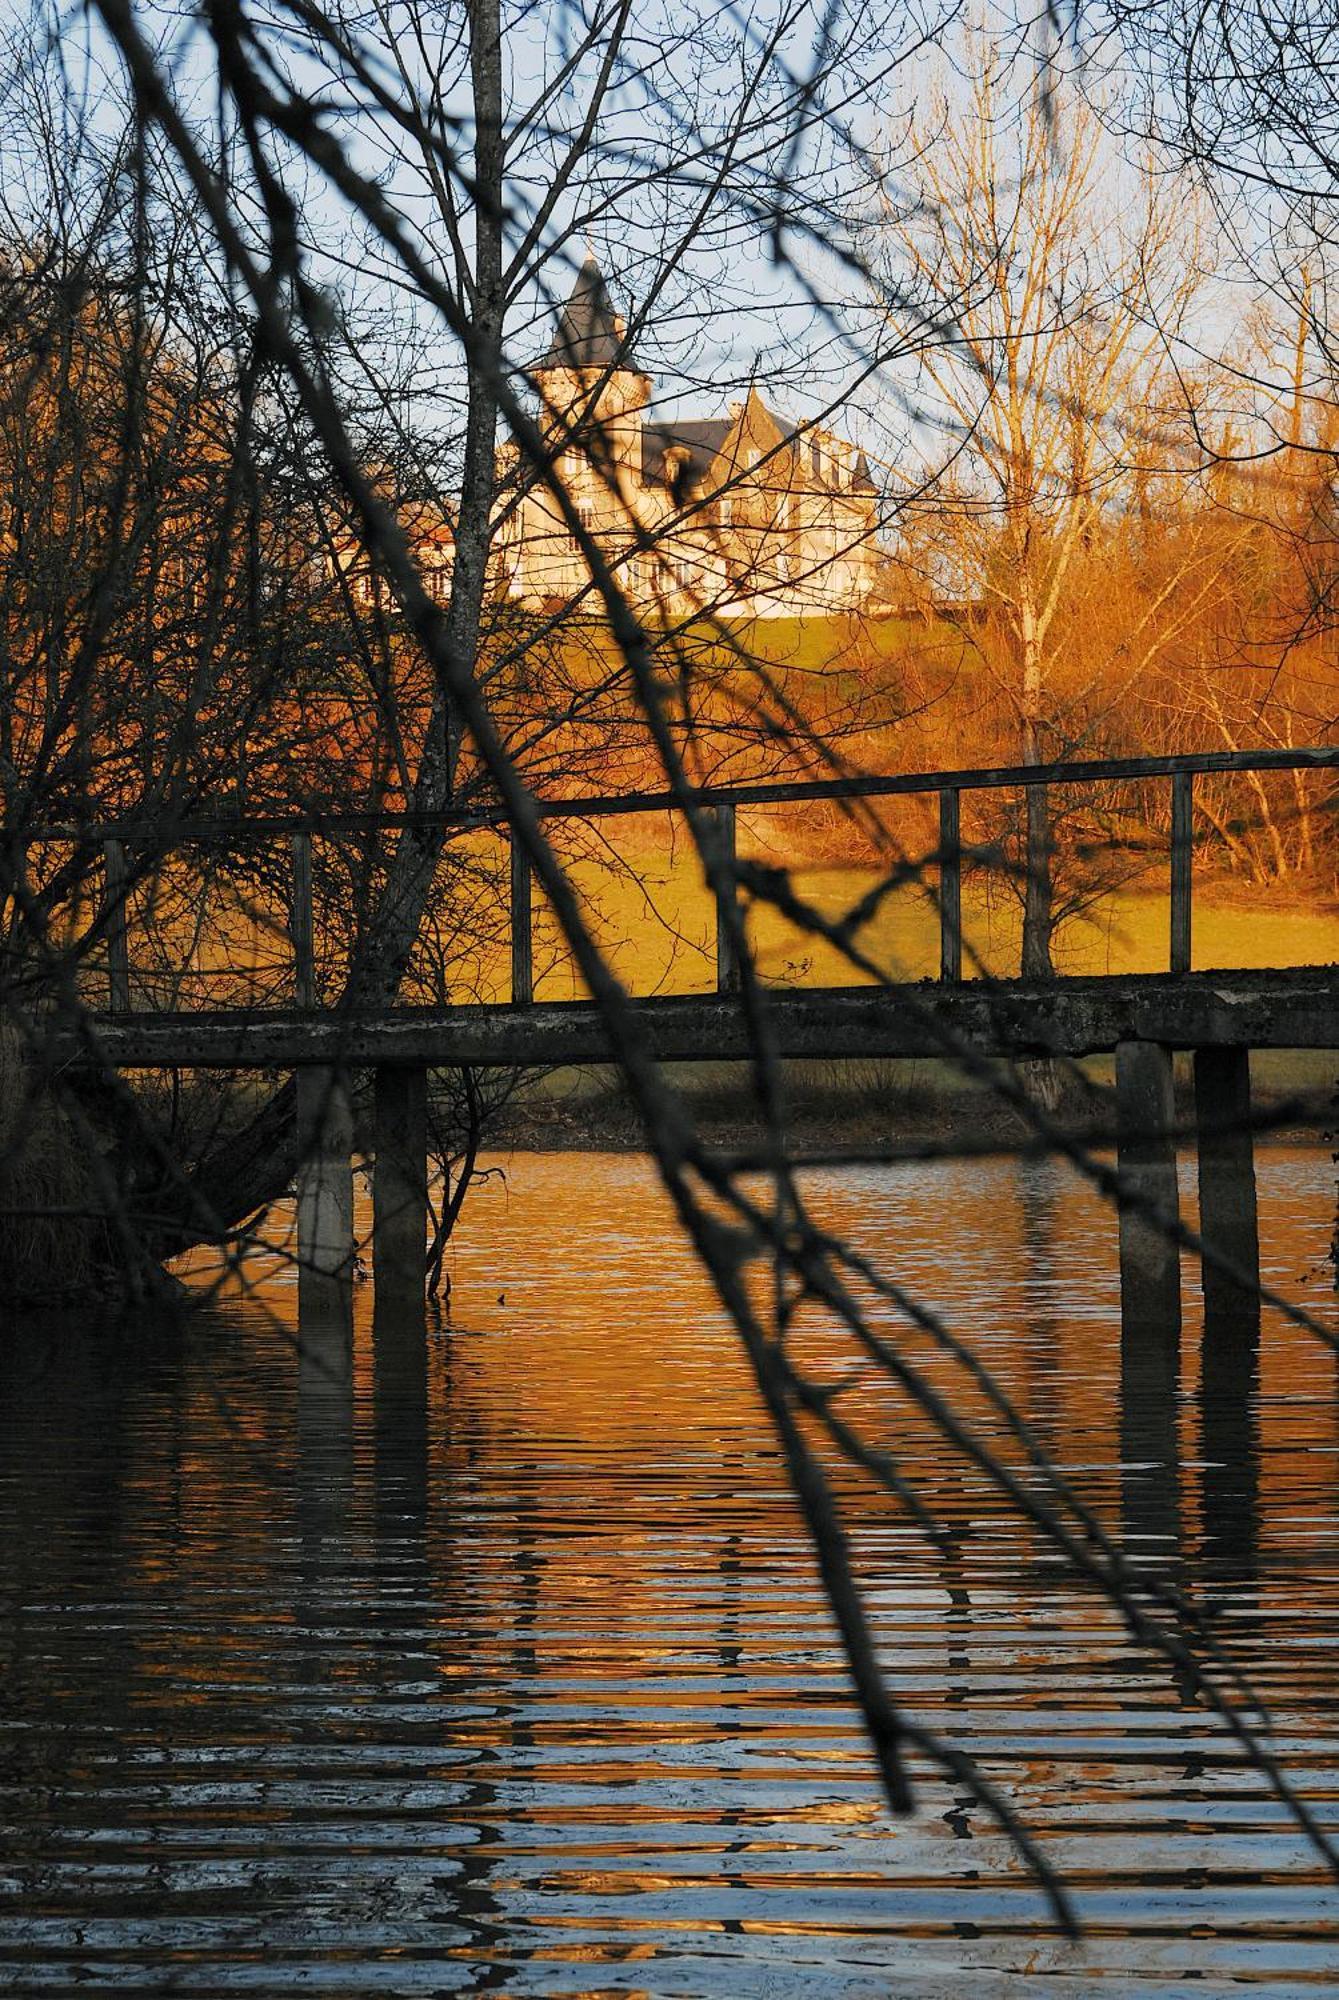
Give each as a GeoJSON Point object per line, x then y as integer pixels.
{"type": "Point", "coordinates": [589, 333]}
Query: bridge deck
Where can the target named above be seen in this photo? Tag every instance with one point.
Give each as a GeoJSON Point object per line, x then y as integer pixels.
{"type": "Point", "coordinates": [1297, 1008]}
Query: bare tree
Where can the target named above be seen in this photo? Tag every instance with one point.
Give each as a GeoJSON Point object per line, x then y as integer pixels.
{"type": "Point", "coordinates": [1051, 278]}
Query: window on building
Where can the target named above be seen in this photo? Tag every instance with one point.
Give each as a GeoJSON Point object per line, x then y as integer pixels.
{"type": "Point", "coordinates": [675, 573]}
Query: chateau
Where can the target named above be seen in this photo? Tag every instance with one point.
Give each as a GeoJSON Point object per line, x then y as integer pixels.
{"type": "Point", "coordinates": [742, 515]}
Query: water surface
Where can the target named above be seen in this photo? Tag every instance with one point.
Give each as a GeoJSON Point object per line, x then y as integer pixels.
{"type": "Point", "coordinates": [514, 1675]}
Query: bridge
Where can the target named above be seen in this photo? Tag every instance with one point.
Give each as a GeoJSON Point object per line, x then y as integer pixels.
{"type": "Point", "coordinates": [1142, 1018]}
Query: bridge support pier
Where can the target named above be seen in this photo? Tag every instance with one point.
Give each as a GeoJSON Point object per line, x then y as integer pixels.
{"type": "Point", "coordinates": [1150, 1261]}
{"type": "Point", "coordinates": [1228, 1222]}
{"type": "Point", "coordinates": [400, 1195]}
{"type": "Point", "coordinates": [324, 1185]}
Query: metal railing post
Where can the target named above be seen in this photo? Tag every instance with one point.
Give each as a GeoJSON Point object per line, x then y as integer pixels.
{"type": "Point", "coordinates": [1183, 817]}
{"type": "Point", "coordinates": [114, 917]}
{"type": "Point", "coordinates": [301, 925]}
{"type": "Point", "coordinates": [727, 906]}
{"type": "Point", "coordinates": [522, 937]}
{"type": "Point", "coordinates": [950, 885]}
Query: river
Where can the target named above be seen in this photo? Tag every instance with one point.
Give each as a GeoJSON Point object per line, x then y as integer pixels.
{"type": "Point", "coordinates": [515, 1676]}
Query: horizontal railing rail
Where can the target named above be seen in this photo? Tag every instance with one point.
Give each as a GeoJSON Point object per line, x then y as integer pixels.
{"type": "Point", "coordinates": [611, 805]}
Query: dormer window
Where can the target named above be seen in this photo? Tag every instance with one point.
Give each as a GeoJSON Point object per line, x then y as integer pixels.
{"type": "Point", "coordinates": [676, 461]}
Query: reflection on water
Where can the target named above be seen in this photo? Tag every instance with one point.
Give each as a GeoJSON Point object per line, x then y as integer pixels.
{"type": "Point", "coordinates": [328, 1664]}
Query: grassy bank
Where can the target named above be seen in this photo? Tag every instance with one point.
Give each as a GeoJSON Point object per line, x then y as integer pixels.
{"type": "Point", "coordinates": [856, 1106]}
{"type": "Point", "coordinates": [657, 924]}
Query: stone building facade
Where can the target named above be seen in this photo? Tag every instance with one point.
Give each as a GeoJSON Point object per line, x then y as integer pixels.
{"type": "Point", "coordinates": [740, 516]}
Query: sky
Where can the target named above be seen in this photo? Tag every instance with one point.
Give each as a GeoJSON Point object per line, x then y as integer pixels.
{"type": "Point", "coordinates": [692, 154]}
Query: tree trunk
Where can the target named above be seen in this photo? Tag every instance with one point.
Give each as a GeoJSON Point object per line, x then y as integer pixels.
{"type": "Point", "coordinates": [256, 1166]}
{"type": "Point", "coordinates": [1041, 1080]}
{"type": "Point", "coordinates": [1037, 892]}
{"type": "Point", "coordinates": [1038, 888]}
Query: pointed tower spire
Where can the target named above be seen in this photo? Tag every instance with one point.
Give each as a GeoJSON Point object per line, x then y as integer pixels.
{"type": "Point", "coordinates": [589, 333]}
{"type": "Point", "coordinates": [862, 480]}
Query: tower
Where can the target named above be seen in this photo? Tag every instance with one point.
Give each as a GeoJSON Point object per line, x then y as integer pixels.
{"type": "Point", "coordinates": [588, 379]}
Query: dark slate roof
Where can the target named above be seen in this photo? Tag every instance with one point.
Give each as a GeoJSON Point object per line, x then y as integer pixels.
{"type": "Point", "coordinates": [587, 334]}
{"type": "Point", "coordinates": [700, 437]}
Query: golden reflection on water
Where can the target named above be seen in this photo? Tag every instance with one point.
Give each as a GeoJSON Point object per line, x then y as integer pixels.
{"type": "Point", "coordinates": [322, 1667]}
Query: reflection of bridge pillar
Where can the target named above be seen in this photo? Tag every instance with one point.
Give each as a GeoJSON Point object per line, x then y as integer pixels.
{"type": "Point", "coordinates": [323, 1484]}
{"type": "Point", "coordinates": [324, 1183]}
{"type": "Point", "coordinates": [1230, 1349]}
{"type": "Point", "coordinates": [1150, 1387]}
{"type": "Point", "coordinates": [1230, 1445]}
{"type": "Point", "coordinates": [1228, 1223]}
{"type": "Point", "coordinates": [400, 1193]}
{"type": "Point", "coordinates": [399, 1330]}
{"type": "Point", "coordinates": [1150, 1261]}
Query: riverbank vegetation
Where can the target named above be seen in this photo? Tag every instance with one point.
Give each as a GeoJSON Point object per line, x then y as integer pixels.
{"type": "Point", "coordinates": [865, 1110]}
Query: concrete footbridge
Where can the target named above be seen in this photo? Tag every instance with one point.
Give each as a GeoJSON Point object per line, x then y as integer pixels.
{"type": "Point", "coordinates": [1218, 1015]}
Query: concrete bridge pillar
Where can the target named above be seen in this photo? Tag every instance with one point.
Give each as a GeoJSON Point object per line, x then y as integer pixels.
{"type": "Point", "coordinates": [1150, 1261]}
{"type": "Point", "coordinates": [1229, 1226]}
{"type": "Point", "coordinates": [400, 1196]}
{"type": "Point", "coordinates": [324, 1184]}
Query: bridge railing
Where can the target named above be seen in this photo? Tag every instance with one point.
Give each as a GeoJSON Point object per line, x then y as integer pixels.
{"type": "Point", "coordinates": [1180, 773]}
